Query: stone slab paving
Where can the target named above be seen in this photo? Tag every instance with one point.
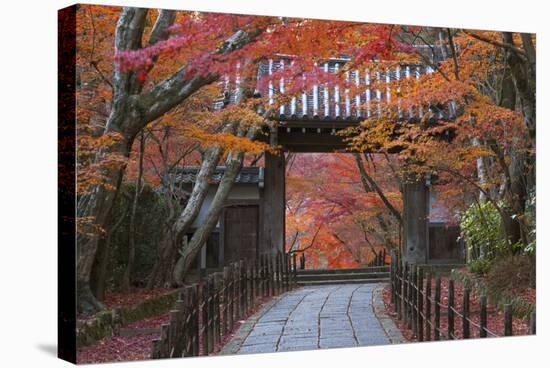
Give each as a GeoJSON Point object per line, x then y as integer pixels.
{"type": "Point", "coordinates": [314, 317]}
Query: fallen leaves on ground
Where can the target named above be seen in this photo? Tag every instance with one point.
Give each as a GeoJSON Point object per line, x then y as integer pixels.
{"type": "Point", "coordinates": [135, 296]}
{"type": "Point", "coordinates": [123, 348]}
{"type": "Point", "coordinates": [130, 348]}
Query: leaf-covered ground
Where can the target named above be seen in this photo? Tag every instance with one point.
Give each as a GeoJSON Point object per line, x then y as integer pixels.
{"type": "Point", "coordinates": [129, 348]}
{"type": "Point", "coordinates": [123, 348]}
{"type": "Point", "coordinates": [135, 296]}
{"type": "Point", "coordinates": [116, 299]}
{"type": "Point", "coordinates": [495, 318]}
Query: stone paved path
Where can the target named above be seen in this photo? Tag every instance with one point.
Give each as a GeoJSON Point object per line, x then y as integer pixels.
{"type": "Point", "coordinates": [316, 317]}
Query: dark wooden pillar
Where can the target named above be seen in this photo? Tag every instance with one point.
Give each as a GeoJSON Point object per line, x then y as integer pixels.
{"type": "Point", "coordinates": [416, 196]}
{"type": "Point", "coordinates": [273, 210]}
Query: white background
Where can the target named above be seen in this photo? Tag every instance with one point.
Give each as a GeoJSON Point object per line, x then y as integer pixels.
{"type": "Point", "coordinates": [28, 180]}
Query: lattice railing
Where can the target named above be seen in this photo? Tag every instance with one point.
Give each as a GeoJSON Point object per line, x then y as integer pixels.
{"type": "Point", "coordinates": [421, 310]}
{"type": "Point", "coordinates": [206, 311]}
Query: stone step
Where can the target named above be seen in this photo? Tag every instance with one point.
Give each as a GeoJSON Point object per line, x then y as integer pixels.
{"type": "Point", "coordinates": [345, 271]}
{"type": "Point", "coordinates": [341, 276]}
{"type": "Point", "coordinates": [339, 281]}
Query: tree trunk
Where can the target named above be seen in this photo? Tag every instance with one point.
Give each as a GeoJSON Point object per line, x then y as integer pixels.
{"type": "Point", "coordinates": [131, 111]}
{"type": "Point", "coordinates": [370, 186]}
{"type": "Point", "coordinates": [127, 276]}
{"type": "Point", "coordinates": [523, 74]}
{"type": "Point", "coordinates": [233, 166]}
{"type": "Point", "coordinates": [99, 270]}
{"type": "Point", "coordinates": [515, 171]}
{"type": "Point", "coordinates": [201, 235]}
{"type": "Point", "coordinates": [96, 206]}
{"type": "Point", "coordinates": [169, 245]}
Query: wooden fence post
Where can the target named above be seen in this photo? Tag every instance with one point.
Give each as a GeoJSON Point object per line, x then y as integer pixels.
{"type": "Point", "coordinates": [420, 304]}
{"type": "Point", "coordinates": [273, 264]}
{"type": "Point", "coordinates": [482, 316]}
{"type": "Point", "coordinates": [250, 286]}
{"type": "Point", "coordinates": [270, 273]}
{"type": "Point", "coordinates": [257, 279]}
{"type": "Point", "coordinates": [281, 272]}
{"type": "Point", "coordinates": [508, 320]}
{"type": "Point", "coordinates": [195, 303]}
{"type": "Point", "coordinates": [248, 278]}
{"type": "Point", "coordinates": [267, 276]}
{"type": "Point", "coordinates": [164, 341]}
{"type": "Point", "coordinates": [262, 276]}
{"type": "Point", "coordinates": [414, 299]}
{"type": "Point", "coordinates": [243, 304]}
{"type": "Point", "coordinates": [225, 304]}
{"type": "Point", "coordinates": [253, 290]}
{"type": "Point", "coordinates": [450, 311]}
{"type": "Point", "coordinates": [533, 323]}
{"type": "Point", "coordinates": [392, 280]}
{"type": "Point", "coordinates": [204, 317]}
{"type": "Point", "coordinates": [410, 305]}
{"type": "Point", "coordinates": [286, 273]}
{"type": "Point", "coordinates": [238, 290]}
{"type": "Point", "coordinates": [188, 331]}
{"type": "Point", "coordinates": [437, 308]}
{"type": "Point", "coordinates": [217, 308]}
{"type": "Point", "coordinates": [277, 273]}
{"type": "Point", "coordinates": [405, 296]}
{"type": "Point", "coordinates": [294, 270]}
{"type": "Point", "coordinates": [290, 272]}
{"type": "Point", "coordinates": [273, 278]}
{"type": "Point", "coordinates": [230, 297]}
{"type": "Point", "coordinates": [177, 333]}
{"type": "Point", "coordinates": [172, 332]}
{"type": "Point", "coordinates": [466, 314]}
{"type": "Point", "coordinates": [211, 313]}
{"type": "Point", "coordinates": [428, 304]}
{"type": "Point", "coordinates": [187, 325]}
{"type": "Point", "coordinates": [155, 351]}
{"type": "Point", "coordinates": [398, 289]}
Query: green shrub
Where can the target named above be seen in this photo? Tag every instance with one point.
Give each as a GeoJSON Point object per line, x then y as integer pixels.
{"type": "Point", "coordinates": [480, 266]}
{"type": "Point", "coordinates": [151, 214]}
{"type": "Point", "coordinates": [480, 227]}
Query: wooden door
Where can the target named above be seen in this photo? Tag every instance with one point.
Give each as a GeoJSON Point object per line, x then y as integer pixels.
{"type": "Point", "coordinates": [443, 242]}
{"type": "Point", "coordinates": [240, 233]}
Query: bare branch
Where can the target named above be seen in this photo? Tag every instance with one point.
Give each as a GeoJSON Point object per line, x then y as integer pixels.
{"type": "Point", "coordinates": [506, 45]}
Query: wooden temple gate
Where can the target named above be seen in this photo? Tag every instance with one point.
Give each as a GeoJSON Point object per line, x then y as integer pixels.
{"type": "Point", "coordinates": [310, 121]}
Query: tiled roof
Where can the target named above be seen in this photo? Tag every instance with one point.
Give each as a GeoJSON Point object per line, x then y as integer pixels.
{"type": "Point", "coordinates": [247, 175]}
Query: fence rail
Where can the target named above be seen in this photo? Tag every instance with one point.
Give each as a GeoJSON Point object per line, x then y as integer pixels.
{"type": "Point", "coordinates": [412, 301]}
{"type": "Point", "coordinates": [207, 310]}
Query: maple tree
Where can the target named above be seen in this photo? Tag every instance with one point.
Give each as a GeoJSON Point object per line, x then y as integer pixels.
{"type": "Point", "coordinates": [162, 59]}
{"type": "Point", "coordinates": [167, 71]}
{"type": "Point", "coordinates": [340, 222]}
